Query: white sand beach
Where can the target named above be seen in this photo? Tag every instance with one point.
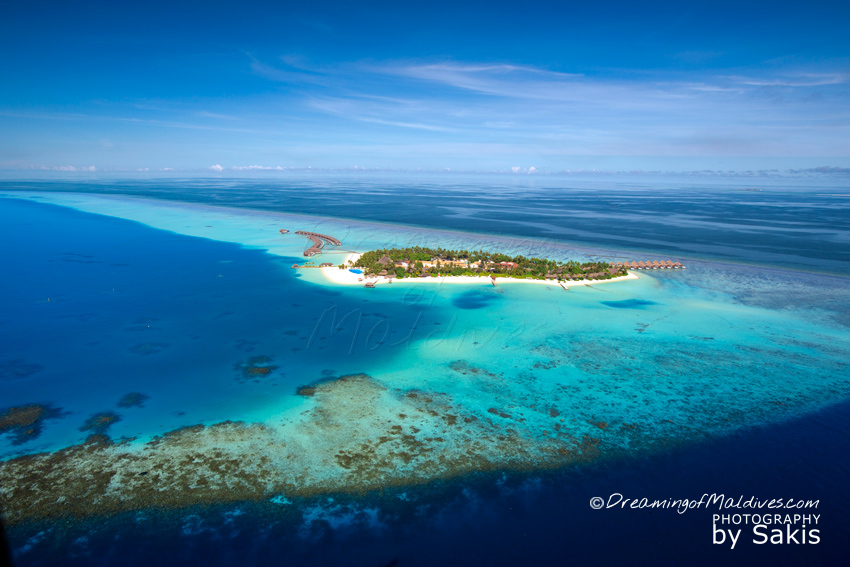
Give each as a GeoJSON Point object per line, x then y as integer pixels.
{"type": "Point", "coordinates": [346, 277]}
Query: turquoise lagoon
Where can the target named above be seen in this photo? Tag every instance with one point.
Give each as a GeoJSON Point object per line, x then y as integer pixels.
{"type": "Point", "coordinates": [108, 295]}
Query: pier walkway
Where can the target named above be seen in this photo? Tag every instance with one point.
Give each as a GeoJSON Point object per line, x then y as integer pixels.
{"type": "Point", "coordinates": [655, 265]}
{"type": "Point", "coordinates": [318, 241]}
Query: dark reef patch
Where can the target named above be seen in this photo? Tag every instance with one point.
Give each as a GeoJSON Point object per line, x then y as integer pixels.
{"type": "Point", "coordinates": [500, 413]}
{"type": "Point", "coordinates": [26, 422]}
{"type": "Point", "coordinates": [100, 423]}
{"type": "Point", "coordinates": [629, 303]}
{"type": "Point", "coordinates": [255, 367]}
{"type": "Point", "coordinates": [133, 400]}
{"type": "Point", "coordinates": [17, 369]}
{"type": "Point", "coordinates": [465, 368]}
{"type": "Point", "coordinates": [474, 299]}
{"type": "Point", "coordinates": [306, 391]}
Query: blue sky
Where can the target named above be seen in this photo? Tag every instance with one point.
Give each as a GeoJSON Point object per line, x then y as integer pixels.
{"type": "Point", "coordinates": [472, 86]}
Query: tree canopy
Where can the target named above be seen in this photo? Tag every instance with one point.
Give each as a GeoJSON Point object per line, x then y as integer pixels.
{"type": "Point", "coordinates": [419, 261]}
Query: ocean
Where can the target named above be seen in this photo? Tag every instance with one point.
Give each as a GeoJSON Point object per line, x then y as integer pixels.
{"type": "Point", "coordinates": [175, 391]}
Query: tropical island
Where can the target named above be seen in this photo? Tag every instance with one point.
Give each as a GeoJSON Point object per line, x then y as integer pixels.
{"type": "Point", "coordinates": [421, 262]}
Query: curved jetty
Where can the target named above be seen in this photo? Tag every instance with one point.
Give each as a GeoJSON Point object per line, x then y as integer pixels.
{"type": "Point", "coordinates": [318, 240]}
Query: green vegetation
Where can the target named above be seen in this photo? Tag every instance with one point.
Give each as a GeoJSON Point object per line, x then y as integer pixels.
{"type": "Point", "coordinates": [423, 262]}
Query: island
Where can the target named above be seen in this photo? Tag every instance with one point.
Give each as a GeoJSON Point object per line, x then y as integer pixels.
{"type": "Point", "coordinates": [420, 262]}
{"type": "Point", "coordinates": [423, 264]}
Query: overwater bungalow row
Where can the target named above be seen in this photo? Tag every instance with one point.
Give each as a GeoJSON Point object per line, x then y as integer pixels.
{"type": "Point", "coordinates": [653, 265]}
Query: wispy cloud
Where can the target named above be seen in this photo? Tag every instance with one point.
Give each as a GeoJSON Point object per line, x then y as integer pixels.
{"type": "Point", "coordinates": [91, 117]}
{"type": "Point", "coordinates": [795, 80]}
{"type": "Point", "coordinates": [493, 79]}
{"type": "Point", "coordinates": [291, 70]}
{"type": "Point", "coordinates": [216, 115]}
{"type": "Point", "coordinates": [404, 124]}
{"type": "Point", "coordinates": [453, 69]}
{"type": "Point", "coordinates": [377, 111]}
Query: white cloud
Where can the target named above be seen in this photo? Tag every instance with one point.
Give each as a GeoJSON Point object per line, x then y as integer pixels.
{"type": "Point", "coordinates": [90, 168]}
{"type": "Point", "coordinates": [256, 168]}
{"type": "Point", "coordinates": [216, 167]}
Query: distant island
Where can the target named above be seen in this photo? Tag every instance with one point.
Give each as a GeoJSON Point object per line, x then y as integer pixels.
{"type": "Point", "coordinates": [420, 262]}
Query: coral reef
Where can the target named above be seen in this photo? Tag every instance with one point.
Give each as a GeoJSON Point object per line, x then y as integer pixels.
{"type": "Point", "coordinates": [306, 391]}
{"type": "Point", "coordinates": [25, 422]}
{"type": "Point", "coordinates": [355, 436]}
{"type": "Point", "coordinates": [256, 367]}
{"type": "Point", "coordinates": [133, 400]}
{"type": "Point", "coordinates": [100, 423]}
{"type": "Point", "coordinates": [465, 368]}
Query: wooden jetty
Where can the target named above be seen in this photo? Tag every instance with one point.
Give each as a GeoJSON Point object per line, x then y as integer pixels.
{"type": "Point", "coordinates": [653, 265]}
{"type": "Point", "coordinates": [318, 241]}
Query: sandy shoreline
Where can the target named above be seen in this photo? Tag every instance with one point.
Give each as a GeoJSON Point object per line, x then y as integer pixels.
{"type": "Point", "coordinates": [345, 277]}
